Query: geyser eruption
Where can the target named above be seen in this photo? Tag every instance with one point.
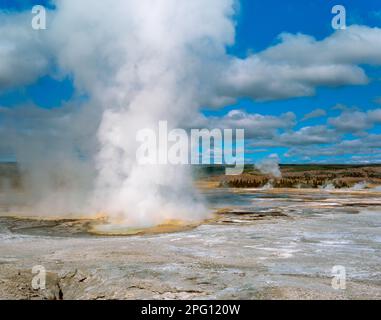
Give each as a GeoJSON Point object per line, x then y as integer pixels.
{"type": "Point", "coordinates": [138, 62]}
{"type": "Point", "coordinates": [164, 47]}
{"type": "Point", "coordinates": [270, 166]}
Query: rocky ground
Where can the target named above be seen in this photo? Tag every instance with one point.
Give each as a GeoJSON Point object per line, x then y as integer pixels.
{"type": "Point", "coordinates": [267, 244]}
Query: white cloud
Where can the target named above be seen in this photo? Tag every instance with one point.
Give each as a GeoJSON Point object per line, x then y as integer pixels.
{"type": "Point", "coordinates": [314, 135]}
{"type": "Point", "coordinates": [310, 143]}
{"type": "Point", "coordinates": [317, 113]}
{"type": "Point", "coordinates": [256, 126]}
{"type": "Point", "coordinates": [368, 145]}
{"type": "Point", "coordinates": [93, 40]}
{"type": "Point", "coordinates": [356, 121]}
{"type": "Point", "coordinates": [299, 64]}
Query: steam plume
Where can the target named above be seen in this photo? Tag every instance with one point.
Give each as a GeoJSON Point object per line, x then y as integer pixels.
{"type": "Point", "coordinates": [270, 166]}
{"type": "Point", "coordinates": [138, 62]}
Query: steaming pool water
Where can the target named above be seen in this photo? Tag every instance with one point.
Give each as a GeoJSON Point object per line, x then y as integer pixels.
{"type": "Point", "coordinates": [259, 244]}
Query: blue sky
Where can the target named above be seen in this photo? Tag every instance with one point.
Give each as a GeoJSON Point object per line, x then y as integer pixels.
{"type": "Point", "coordinates": [258, 25]}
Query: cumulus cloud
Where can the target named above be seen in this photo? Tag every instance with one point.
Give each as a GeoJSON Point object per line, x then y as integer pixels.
{"type": "Point", "coordinates": [256, 126]}
{"type": "Point", "coordinates": [329, 140]}
{"type": "Point", "coordinates": [299, 64]}
{"type": "Point", "coordinates": [308, 142]}
{"type": "Point", "coordinates": [368, 158]}
{"type": "Point", "coordinates": [294, 67]}
{"type": "Point", "coordinates": [370, 144]}
{"type": "Point", "coordinates": [356, 121]}
{"type": "Point", "coordinates": [317, 113]}
{"type": "Point", "coordinates": [309, 135]}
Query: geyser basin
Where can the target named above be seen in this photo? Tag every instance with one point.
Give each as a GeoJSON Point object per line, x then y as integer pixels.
{"type": "Point", "coordinates": [125, 230]}
{"type": "Point", "coordinates": [87, 227]}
